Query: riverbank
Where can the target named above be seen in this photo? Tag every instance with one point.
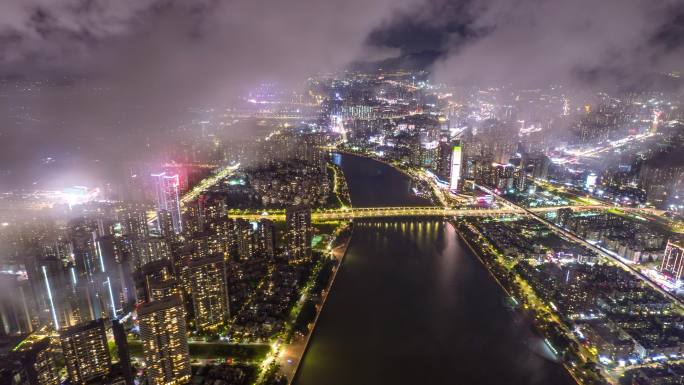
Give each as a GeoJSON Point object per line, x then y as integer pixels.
{"type": "Point", "coordinates": [292, 354]}
{"type": "Point", "coordinates": [529, 305]}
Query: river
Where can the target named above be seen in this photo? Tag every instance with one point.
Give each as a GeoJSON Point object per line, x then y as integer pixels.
{"type": "Point", "coordinates": [411, 305]}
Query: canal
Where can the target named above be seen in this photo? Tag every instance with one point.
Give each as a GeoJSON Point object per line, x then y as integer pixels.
{"type": "Point", "coordinates": [411, 305]}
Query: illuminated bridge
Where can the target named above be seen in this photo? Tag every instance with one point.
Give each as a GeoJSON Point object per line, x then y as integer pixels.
{"type": "Point", "coordinates": [433, 211]}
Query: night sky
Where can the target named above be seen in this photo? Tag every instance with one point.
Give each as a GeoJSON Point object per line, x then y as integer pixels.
{"type": "Point", "coordinates": [136, 66]}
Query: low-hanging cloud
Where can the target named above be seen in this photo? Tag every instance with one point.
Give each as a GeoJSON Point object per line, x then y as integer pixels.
{"type": "Point", "coordinates": [582, 42]}
{"type": "Point", "coordinates": [136, 66]}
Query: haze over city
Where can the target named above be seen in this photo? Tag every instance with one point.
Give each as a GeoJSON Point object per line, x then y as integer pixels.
{"type": "Point", "coordinates": [341, 192]}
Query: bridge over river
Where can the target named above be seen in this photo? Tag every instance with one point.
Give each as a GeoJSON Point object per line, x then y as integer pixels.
{"type": "Point", "coordinates": [427, 211]}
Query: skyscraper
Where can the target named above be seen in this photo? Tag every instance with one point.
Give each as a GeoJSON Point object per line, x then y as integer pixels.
{"type": "Point", "coordinates": [165, 343]}
{"type": "Point", "coordinates": [167, 188]}
{"type": "Point", "coordinates": [443, 163]}
{"type": "Point", "coordinates": [455, 168]}
{"type": "Point", "coordinates": [86, 353]}
{"type": "Point", "coordinates": [209, 283]}
{"type": "Point", "coordinates": [299, 231]}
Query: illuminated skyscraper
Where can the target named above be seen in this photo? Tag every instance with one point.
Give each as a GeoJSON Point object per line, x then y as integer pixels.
{"type": "Point", "coordinates": [455, 170]}
{"type": "Point", "coordinates": [299, 231]}
{"type": "Point", "coordinates": [165, 343]}
{"type": "Point", "coordinates": [448, 164]}
{"type": "Point", "coordinates": [167, 188]}
{"type": "Point", "coordinates": [209, 283]}
{"type": "Point", "coordinates": [673, 262]}
{"type": "Point", "coordinates": [86, 352]}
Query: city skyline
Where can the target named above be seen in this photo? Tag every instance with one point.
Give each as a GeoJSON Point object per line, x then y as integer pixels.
{"type": "Point", "coordinates": [305, 192]}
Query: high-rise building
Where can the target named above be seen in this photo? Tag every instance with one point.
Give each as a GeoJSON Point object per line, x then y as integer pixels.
{"type": "Point", "coordinates": [520, 180]}
{"type": "Point", "coordinates": [167, 188]}
{"type": "Point", "coordinates": [673, 262]}
{"type": "Point", "coordinates": [123, 351]}
{"type": "Point", "coordinates": [209, 281]}
{"type": "Point", "coordinates": [521, 173]}
{"type": "Point", "coordinates": [151, 275]}
{"type": "Point", "coordinates": [149, 250]}
{"type": "Point", "coordinates": [17, 310]}
{"type": "Point", "coordinates": [541, 167]}
{"type": "Point", "coordinates": [443, 161]}
{"type": "Point", "coordinates": [223, 235]}
{"type": "Point", "coordinates": [266, 237]}
{"type": "Point", "coordinates": [244, 233]}
{"type": "Point", "coordinates": [299, 231]}
{"type": "Point", "coordinates": [448, 165]}
{"type": "Point", "coordinates": [47, 277]}
{"type": "Point", "coordinates": [34, 363]}
{"type": "Point", "coordinates": [86, 352]}
{"type": "Point", "coordinates": [134, 223]}
{"type": "Point", "coordinates": [161, 289]}
{"type": "Point", "coordinates": [563, 216]}
{"type": "Point", "coordinates": [455, 167]}
{"type": "Point", "coordinates": [113, 274]}
{"type": "Point", "coordinates": [165, 342]}
{"type": "Point", "coordinates": [503, 177]}
{"type": "Point", "coordinates": [590, 183]}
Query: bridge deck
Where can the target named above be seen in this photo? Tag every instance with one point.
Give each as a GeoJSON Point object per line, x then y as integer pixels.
{"type": "Point", "coordinates": [431, 211]}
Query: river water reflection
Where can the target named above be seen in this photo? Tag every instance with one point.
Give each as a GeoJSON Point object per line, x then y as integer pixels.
{"type": "Point", "coordinates": [411, 305]}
